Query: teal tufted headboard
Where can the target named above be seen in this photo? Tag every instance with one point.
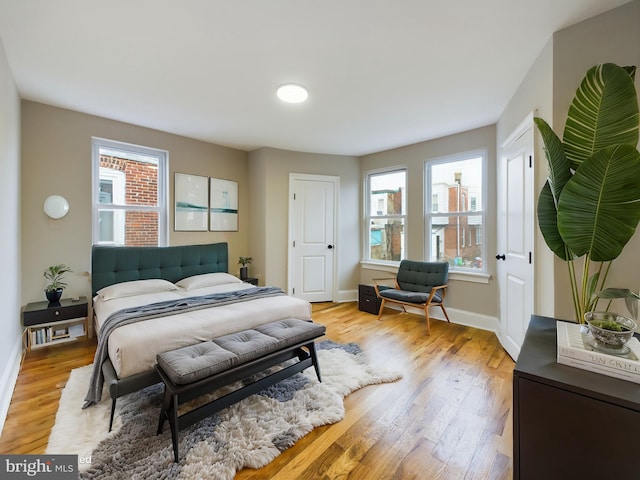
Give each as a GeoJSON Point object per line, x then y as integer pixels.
{"type": "Point", "coordinates": [111, 265]}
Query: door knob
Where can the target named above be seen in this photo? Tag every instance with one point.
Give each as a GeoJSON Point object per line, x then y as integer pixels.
{"type": "Point", "coordinates": [500, 257]}
{"type": "Point", "coordinates": [330, 247]}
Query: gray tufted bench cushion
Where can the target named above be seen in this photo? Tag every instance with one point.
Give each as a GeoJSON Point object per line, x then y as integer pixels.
{"type": "Point", "coordinates": [193, 371]}
{"type": "Point", "coordinates": [188, 364]}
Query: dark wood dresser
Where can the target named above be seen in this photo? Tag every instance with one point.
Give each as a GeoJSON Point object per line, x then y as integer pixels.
{"type": "Point", "coordinates": [567, 422]}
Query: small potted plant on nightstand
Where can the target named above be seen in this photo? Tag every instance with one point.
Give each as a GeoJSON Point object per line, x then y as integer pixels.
{"type": "Point", "coordinates": [55, 275]}
{"type": "Point", "coordinates": [244, 270]}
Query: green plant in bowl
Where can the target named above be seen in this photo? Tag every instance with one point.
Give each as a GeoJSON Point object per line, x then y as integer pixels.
{"type": "Point", "coordinates": [608, 325]}
{"type": "Point", "coordinates": [610, 331]}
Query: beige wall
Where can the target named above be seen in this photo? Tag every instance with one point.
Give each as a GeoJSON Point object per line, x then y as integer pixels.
{"type": "Point", "coordinates": [472, 297]}
{"type": "Point", "coordinates": [269, 171]}
{"type": "Point", "coordinates": [10, 341]}
{"type": "Point", "coordinates": [535, 94]}
{"type": "Point", "coordinates": [611, 37]}
{"type": "Point", "coordinates": [56, 159]}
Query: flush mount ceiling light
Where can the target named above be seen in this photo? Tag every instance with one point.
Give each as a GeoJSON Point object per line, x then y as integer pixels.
{"type": "Point", "coordinates": [292, 93]}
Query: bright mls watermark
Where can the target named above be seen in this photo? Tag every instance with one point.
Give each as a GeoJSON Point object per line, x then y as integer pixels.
{"type": "Point", "coordinates": [52, 467]}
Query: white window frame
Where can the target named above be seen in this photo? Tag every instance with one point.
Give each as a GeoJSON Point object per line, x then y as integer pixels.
{"type": "Point", "coordinates": [162, 209]}
{"type": "Point", "coordinates": [118, 183]}
{"type": "Point", "coordinates": [368, 216]}
{"type": "Point", "coordinates": [481, 274]}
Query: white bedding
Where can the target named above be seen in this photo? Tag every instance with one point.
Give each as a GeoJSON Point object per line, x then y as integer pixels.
{"type": "Point", "coordinates": [133, 347]}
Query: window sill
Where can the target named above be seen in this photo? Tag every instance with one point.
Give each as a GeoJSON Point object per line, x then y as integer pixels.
{"type": "Point", "coordinates": [473, 277]}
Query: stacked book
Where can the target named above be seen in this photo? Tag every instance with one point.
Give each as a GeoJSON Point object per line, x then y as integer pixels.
{"type": "Point", "coordinates": [575, 349]}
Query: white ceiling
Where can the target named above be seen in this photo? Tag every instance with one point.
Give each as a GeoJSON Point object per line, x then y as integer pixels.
{"type": "Point", "coordinates": [380, 73]}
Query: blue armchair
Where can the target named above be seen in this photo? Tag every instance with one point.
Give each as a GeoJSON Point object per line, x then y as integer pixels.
{"type": "Point", "coordinates": [417, 284]}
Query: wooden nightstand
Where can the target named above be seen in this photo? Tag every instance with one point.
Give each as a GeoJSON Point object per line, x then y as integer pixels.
{"type": "Point", "coordinates": [251, 280]}
{"type": "Point", "coordinates": [53, 323]}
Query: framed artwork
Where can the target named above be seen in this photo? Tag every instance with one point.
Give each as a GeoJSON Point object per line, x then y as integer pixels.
{"type": "Point", "coordinates": [223, 205]}
{"type": "Point", "coordinates": [191, 194]}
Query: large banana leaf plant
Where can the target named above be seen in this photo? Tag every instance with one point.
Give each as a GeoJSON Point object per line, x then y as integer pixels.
{"type": "Point", "coordinates": [589, 207]}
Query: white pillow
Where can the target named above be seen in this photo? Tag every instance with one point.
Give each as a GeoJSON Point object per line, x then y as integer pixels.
{"type": "Point", "coordinates": [135, 287]}
{"type": "Point", "coordinates": [207, 280]}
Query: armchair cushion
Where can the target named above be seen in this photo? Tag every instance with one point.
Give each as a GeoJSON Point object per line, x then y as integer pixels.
{"type": "Point", "coordinates": [409, 297]}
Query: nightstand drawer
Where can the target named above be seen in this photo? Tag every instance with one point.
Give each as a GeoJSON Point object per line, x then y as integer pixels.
{"type": "Point", "coordinates": [366, 290]}
{"type": "Point", "coordinates": [43, 312]}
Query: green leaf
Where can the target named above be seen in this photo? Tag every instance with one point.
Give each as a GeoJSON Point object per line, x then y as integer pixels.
{"type": "Point", "coordinates": [559, 171]}
{"type": "Point", "coordinates": [590, 298]}
{"type": "Point", "coordinates": [630, 298]}
{"type": "Point", "coordinates": [632, 306]}
{"type": "Point", "coordinates": [604, 112]}
{"type": "Point", "coordinates": [599, 208]}
{"type": "Point", "coordinates": [611, 293]}
{"type": "Point", "coordinates": [548, 222]}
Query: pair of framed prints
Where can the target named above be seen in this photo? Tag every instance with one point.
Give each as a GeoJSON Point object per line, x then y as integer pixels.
{"type": "Point", "coordinates": [205, 204]}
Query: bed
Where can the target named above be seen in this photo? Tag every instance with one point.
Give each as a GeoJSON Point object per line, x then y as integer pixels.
{"type": "Point", "coordinates": [126, 280]}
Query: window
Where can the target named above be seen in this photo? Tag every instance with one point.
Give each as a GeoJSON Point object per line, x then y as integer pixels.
{"type": "Point", "coordinates": [455, 228]}
{"type": "Point", "coordinates": [386, 215]}
{"type": "Point", "coordinates": [129, 194]}
{"type": "Point", "coordinates": [111, 222]}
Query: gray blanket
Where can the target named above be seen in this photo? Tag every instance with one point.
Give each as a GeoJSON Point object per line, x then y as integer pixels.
{"type": "Point", "coordinates": [161, 309]}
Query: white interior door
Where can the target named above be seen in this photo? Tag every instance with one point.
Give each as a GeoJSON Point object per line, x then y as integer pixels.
{"type": "Point", "coordinates": [313, 200]}
{"type": "Point", "coordinates": [515, 236]}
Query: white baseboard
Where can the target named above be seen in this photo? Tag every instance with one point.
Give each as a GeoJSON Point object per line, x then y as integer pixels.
{"type": "Point", "coordinates": [347, 296]}
{"type": "Point", "coordinates": [8, 381]}
{"type": "Point", "coordinates": [461, 317]}
{"type": "Point", "coordinates": [475, 320]}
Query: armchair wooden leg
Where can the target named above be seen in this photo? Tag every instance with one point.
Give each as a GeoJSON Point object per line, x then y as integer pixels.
{"type": "Point", "coordinates": [445, 313]}
{"type": "Point", "coordinates": [381, 308]}
{"type": "Point", "coordinates": [426, 314]}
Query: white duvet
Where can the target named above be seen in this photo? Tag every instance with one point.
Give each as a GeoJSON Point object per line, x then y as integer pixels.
{"type": "Point", "coordinates": [133, 348]}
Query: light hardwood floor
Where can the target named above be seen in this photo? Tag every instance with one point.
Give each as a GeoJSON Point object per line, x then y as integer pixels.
{"type": "Point", "coordinates": [448, 418]}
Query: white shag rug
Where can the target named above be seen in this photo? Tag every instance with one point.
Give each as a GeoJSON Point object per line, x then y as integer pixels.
{"type": "Point", "coordinates": [249, 434]}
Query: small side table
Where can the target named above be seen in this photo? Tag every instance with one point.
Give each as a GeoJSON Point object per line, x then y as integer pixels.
{"type": "Point", "coordinates": [251, 280]}
{"type": "Point", "coordinates": [53, 323]}
{"type": "Point", "coordinates": [368, 301]}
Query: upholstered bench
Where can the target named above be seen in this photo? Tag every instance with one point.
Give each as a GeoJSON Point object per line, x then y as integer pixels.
{"type": "Point", "coordinates": [196, 370]}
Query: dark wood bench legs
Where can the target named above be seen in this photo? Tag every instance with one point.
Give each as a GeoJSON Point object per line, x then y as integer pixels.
{"type": "Point", "coordinates": [175, 395]}
{"type": "Point", "coordinates": [113, 410]}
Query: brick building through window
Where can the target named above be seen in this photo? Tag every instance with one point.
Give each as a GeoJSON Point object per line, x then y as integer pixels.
{"type": "Point", "coordinates": [140, 188]}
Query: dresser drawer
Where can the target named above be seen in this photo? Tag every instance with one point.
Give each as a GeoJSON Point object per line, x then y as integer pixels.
{"type": "Point", "coordinates": [367, 299]}
{"type": "Point", "coordinates": [43, 312]}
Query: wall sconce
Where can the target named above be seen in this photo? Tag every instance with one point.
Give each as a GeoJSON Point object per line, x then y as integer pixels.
{"type": "Point", "coordinates": [56, 206]}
